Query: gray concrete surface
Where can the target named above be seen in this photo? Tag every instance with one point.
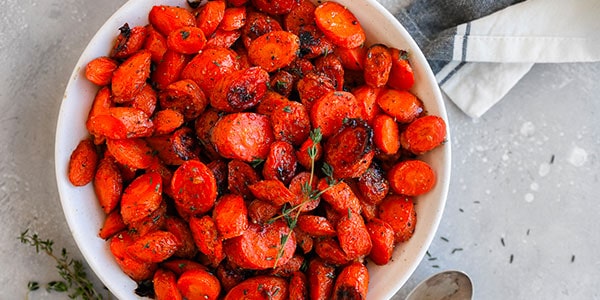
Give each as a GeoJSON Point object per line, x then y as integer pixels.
{"type": "Point", "coordinates": [522, 211]}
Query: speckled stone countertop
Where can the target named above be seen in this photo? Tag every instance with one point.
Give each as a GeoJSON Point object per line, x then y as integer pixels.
{"type": "Point", "coordinates": [522, 211]}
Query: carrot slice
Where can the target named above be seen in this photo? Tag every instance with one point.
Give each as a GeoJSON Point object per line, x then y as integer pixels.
{"type": "Point", "coordinates": [367, 96]}
{"type": "Point", "coordinates": [386, 135]}
{"type": "Point", "coordinates": [108, 184]}
{"type": "Point", "coordinates": [156, 43]}
{"type": "Point", "coordinates": [402, 76]}
{"type": "Point", "coordinates": [411, 177]}
{"type": "Point", "coordinates": [259, 247]}
{"type": "Point", "coordinates": [402, 105]}
{"type": "Point", "coordinates": [282, 82]}
{"type": "Point", "coordinates": [223, 39]}
{"type": "Point", "coordinates": [378, 64]}
{"type": "Point", "coordinates": [154, 247]}
{"type": "Point", "coordinates": [239, 176]}
{"type": "Point", "coordinates": [291, 122]}
{"type": "Point", "coordinates": [274, 50]}
{"type": "Point", "coordinates": [234, 18]}
{"type": "Point", "coordinates": [329, 251]}
{"type": "Point", "coordinates": [167, 120]}
{"type": "Point", "coordinates": [339, 24]}
{"type": "Point", "coordinates": [131, 266]}
{"type": "Point", "coordinates": [260, 287]}
{"type": "Point", "coordinates": [423, 134]}
{"type": "Point", "coordinates": [206, 237]}
{"type": "Point", "coordinates": [240, 91]}
{"type": "Point", "coordinates": [113, 224]}
{"type": "Point", "coordinates": [312, 87]}
{"type": "Point", "coordinates": [332, 66]}
{"type": "Point", "coordinates": [350, 151]}
{"type": "Point", "coordinates": [100, 70]}
{"type": "Point", "coordinates": [298, 286]}
{"type": "Point", "coordinates": [169, 68]}
{"type": "Point", "coordinates": [179, 266]}
{"type": "Point", "coordinates": [353, 235]}
{"type": "Point", "coordinates": [330, 111]}
{"type": "Point", "coordinates": [382, 237]}
{"type": "Point", "coordinates": [209, 66]}
{"type": "Point", "coordinates": [184, 96]}
{"type": "Point", "coordinates": [231, 216]}
{"type": "Point", "coordinates": [352, 59]}
{"type": "Point", "coordinates": [258, 24]}
{"type": "Point", "coordinates": [399, 212]}
{"type": "Point", "coordinates": [130, 77]}
{"type": "Point", "coordinates": [168, 18]}
{"type": "Point", "coordinates": [199, 284]}
{"type": "Point", "coordinates": [272, 191]}
{"type": "Point", "coordinates": [316, 226]}
{"type": "Point", "coordinates": [301, 15]}
{"type": "Point", "coordinates": [321, 278]}
{"type": "Point", "coordinates": [141, 197]}
{"type": "Point", "coordinates": [280, 163]}
{"type": "Point", "coordinates": [133, 153]}
{"type": "Point", "coordinates": [244, 136]}
{"type": "Point", "coordinates": [82, 163]}
{"type": "Point", "coordinates": [181, 230]}
{"type": "Point", "coordinates": [194, 187]}
{"type": "Point", "coordinates": [210, 15]}
{"type": "Point", "coordinates": [352, 282]}
{"type": "Point", "coordinates": [186, 40]}
{"type": "Point", "coordinates": [340, 197]}
{"type": "Point", "coordinates": [373, 185]}
{"type": "Point", "coordinates": [165, 285]}
{"type": "Point", "coordinates": [129, 41]}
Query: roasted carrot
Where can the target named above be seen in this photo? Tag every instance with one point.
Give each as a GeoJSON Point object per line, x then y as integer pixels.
{"type": "Point", "coordinates": [239, 91]}
{"type": "Point", "coordinates": [175, 148]}
{"type": "Point", "coordinates": [154, 247]}
{"type": "Point", "coordinates": [113, 224]}
{"type": "Point", "coordinates": [210, 15]}
{"type": "Point", "coordinates": [274, 50]}
{"type": "Point", "coordinates": [321, 278]}
{"type": "Point", "coordinates": [386, 135]}
{"type": "Point", "coordinates": [259, 247]}
{"type": "Point", "coordinates": [141, 197]}
{"type": "Point", "coordinates": [353, 235]}
{"type": "Point", "coordinates": [316, 226]}
{"type": "Point", "coordinates": [382, 237]}
{"type": "Point", "coordinates": [260, 212]}
{"type": "Point", "coordinates": [234, 18]}
{"type": "Point", "coordinates": [108, 184]}
{"type": "Point", "coordinates": [199, 284]}
{"type": "Point", "coordinates": [184, 96]}
{"type": "Point", "coordinates": [378, 64]}
{"type": "Point", "coordinates": [145, 100]}
{"type": "Point", "coordinates": [399, 212]}
{"type": "Point", "coordinates": [100, 70]}
{"type": "Point", "coordinates": [329, 250]}
{"type": "Point", "coordinates": [229, 276]}
{"type": "Point", "coordinates": [207, 67]}
{"type": "Point", "coordinates": [352, 59]}
{"type": "Point", "coordinates": [273, 191]}
{"type": "Point", "coordinates": [130, 77]}
{"type": "Point", "coordinates": [301, 15]}
{"type": "Point", "coordinates": [168, 18]}
{"type": "Point", "coordinates": [129, 41]}
{"type": "Point", "coordinates": [121, 123]}
{"type": "Point", "coordinates": [181, 230]}
{"type": "Point", "coordinates": [313, 43]}
{"type": "Point", "coordinates": [313, 86]}
{"type": "Point", "coordinates": [281, 162]}
{"type": "Point", "coordinates": [302, 153]}
{"type": "Point", "coordinates": [298, 288]}
{"type": "Point", "coordinates": [411, 177]}
{"type": "Point", "coordinates": [257, 24]}
{"type": "Point", "coordinates": [165, 285]}
{"type": "Point", "coordinates": [240, 175]}
{"type": "Point", "coordinates": [169, 68]}
{"type": "Point", "coordinates": [231, 216]}
{"type": "Point", "coordinates": [194, 187]}
{"type": "Point", "coordinates": [339, 25]}
{"type": "Point", "coordinates": [352, 282]}
{"type": "Point", "coordinates": [133, 153]}
{"type": "Point", "coordinates": [131, 266]}
{"type": "Point", "coordinates": [402, 76]}
{"type": "Point", "coordinates": [270, 101]}
{"type": "Point", "coordinates": [259, 288]}
{"type": "Point", "coordinates": [373, 185]}
{"type": "Point", "coordinates": [298, 183]}
{"type": "Point", "coordinates": [100, 106]}
{"type": "Point", "coordinates": [153, 222]}
{"type": "Point", "coordinates": [282, 82]}
{"type": "Point", "coordinates": [402, 105]}
{"type": "Point", "coordinates": [331, 66]}
{"type": "Point", "coordinates": [186, 40]}
{"type": "Point", "coordinates": [179, 266]}
{"type": "Point", "coordinates": [82, 163]}
{"type": "Point", "coordinates": [223, 39]}
{"type": "Point", "coordinates": [330, 111]}
{"type": "Point", "coordinates": [340, 197]}
{"type": "Point", "coordinates": [206, 237]}
{"type": "Point", "coordinates": [423, 134]}
{"type": "Point", "coordinates": [244, 136]}
{"type": "Point", "coordinates": [350, 151]}
{"type": "Point", "coordinates": [367, 97]}
{"type": "Point", "coordinates": [167, 120]}
{"type": "Point", "coordinates": [156, 43]}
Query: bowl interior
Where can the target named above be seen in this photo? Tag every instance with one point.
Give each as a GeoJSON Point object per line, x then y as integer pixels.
{"type": "Point", "coordinates": [85, 216]}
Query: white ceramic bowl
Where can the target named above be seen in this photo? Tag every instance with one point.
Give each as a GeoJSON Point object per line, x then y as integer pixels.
{"type": "Point", "coordinates": [85, 216]}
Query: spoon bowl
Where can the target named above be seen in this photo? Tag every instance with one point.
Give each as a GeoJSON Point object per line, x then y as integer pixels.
{"type": "Point", "coordinates": [447, 285]}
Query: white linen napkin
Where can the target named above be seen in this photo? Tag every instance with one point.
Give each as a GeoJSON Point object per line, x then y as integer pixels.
{"type": "Point", "coordinates": [478, 61]}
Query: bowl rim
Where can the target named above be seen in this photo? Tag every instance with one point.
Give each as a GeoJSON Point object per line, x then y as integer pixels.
{"type": "Point", "coordinates": [89, 245]}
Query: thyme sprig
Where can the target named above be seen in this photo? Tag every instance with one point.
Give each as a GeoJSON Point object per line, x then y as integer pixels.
{"type": "Point", "coordinates": [308, 192]}
{"type": "Point", "coordinates": [71, 270]}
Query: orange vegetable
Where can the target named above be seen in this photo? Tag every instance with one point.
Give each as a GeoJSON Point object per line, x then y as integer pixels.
{"type": "Point", "coordinates": [316, 226]}
{"type": "Point", "coordinates": [312, 87]}
{"type": "Point", "coordinates": [353, 235]}
{"type": "Point", "coordinates": [280, 163]}
{"type": "Point", "coordinates": [352, 59]}
{"type": "Point", "coordinates": [175, 148]}
{"type": "Point", "coordinates": [121, 123]}
{"type": "Point", "coordinates": [367, 96]}
{"type": "Point", "coordinates": [240, 90]}
{"type": "Point", "coordinates": [199, 284]}
{"type": "Point", "coordinates": [240, 175]}
{"type": "Point", "coordinates": [373, 185]}
{"type": "Point", "coordinates": [141, 197]}
{"type": "Point", "coordinates": [130, 77]}
{"type": "Point", "coordinates": [399, 212]}
{"type": "Point", "coordinates": [210, 15]}
{"type": "Point", "coordinates": [180, 229]}
{"type": "Point", "coordinates": [339, 25]}
{"type": "Point", "coordinates": [340, 197]}
{"type": "Point", "coordinates": [331, 109]}
{"type": "Point", "coordinates": [133, 153]}
{"type": "Point", "coordinates": [402, 105]}
{"type": "Point", "coordinates": [244, 136]}
{"type": "Point", "coordinates": [108, 184]}
{"type": "Point", "coordinates": [223, 39]}
{"type": "Point", "coordinates": [331, 66]}
{"type": "Point", "coordinates": [231, 216]}
{"type": "Point", "coordinates": [206, 237]}
{"type": "Point", "coordinates": [378, 64]}
{"type": "Point", "coordinates": [386, 135]}
{"type": "Point", "coordinates": [83, 162]}
{"type": "Point", "coordinates": [274, 50]}
{"type": "Point", "coordinates": [402, 76]}
{"type": "Point", "coordinates": [100, 70]}
{"type": "Point", "coordinates": [156, 43]}
{"type": "Point", "coordinates": [165, 285]}
{"type": "Point", "coordinates": [423, 134]}
{"type": "Point", "coordinates": [154, 247]}
{"type": "Point", "coordinates": [382, 237]}
{"type": "Point", "coordinates": [330, 252]}
{"type": "Point", "coordinates": [298, 287]}
{"type": "Point", "coordinates": [130, 265]}
{"type": "Point", "coordinates": [260, 288]}
{"type": "Point", "coordinates": [321, 278]}
{"type": "Point", "coordinates": [129, 41]}
{"type": "Point", "coordinates": [411, 177]}
{"type": "Point", "coordinates": [299, 16]}
{"type": "Point", "coordinates": [194, 187]}
{"type": "Point", "coordinates": [169, 18]}
{"type": "Point", "coordinates": [186, 40]}
{"type": "Point", "coordinates": [273, 191]}
{"type": "Point", "coordinates": [184, 96]}
{"type": "Point", "coordinates": [169, 68]}
{"type": "Point", "coordinates": [282, 82]}
{"type": "Point", "coordinates": [350, 151]}
{"type": "Point", "coordinates": [352, 282]}
{"type": "Point", "coordinates": [207, 67]}
{"type": "Point", "coordinates": [113, 224]}
{"type": "Point", "coordinates": [167, 120]}
{"type": "Point", "coordinates": [234, 18]}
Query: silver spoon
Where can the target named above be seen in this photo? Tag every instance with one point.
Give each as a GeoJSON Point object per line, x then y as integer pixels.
{"type": "Point", "coordinates": [447, 285]}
